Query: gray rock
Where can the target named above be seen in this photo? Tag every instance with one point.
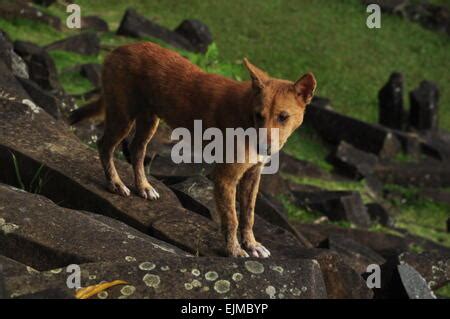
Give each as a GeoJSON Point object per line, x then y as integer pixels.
{"type": "Point", "coordinates": [390, 102]}
{"type": "Point", "coordinates": [336, 205]}
{"type": "Point", "coordinates": [197, 33]}
{"type": "Point", "coordinates": [86, 43]}
{"type": "Point", "coordinates": [190, 278]}
{"type": "Point", "coordinates": [38, 233]}
{"type": "Point", "coordinates": [423, 114]}
{"type": "Point", "coordinates": [135, 25]}
{"type": "Point", "coordinates": [41, 67]}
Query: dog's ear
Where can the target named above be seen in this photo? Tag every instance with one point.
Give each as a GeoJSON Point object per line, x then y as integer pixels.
{"type": "Point", "coordinates": [259, 77]}
{"type": "Point", "coordinates": [305, 87]}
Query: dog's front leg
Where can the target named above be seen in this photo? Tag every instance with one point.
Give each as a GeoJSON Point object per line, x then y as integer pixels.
{"type": "Point", "coordinates": [225, 183]}
{"type": "Point", "coordinates": [248, 191]}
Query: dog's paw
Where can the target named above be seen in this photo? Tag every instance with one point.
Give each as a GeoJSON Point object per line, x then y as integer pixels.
{"type": "Point", "coordinates": [237, 252]}
{"type": "Point", "coordinates": [257, 250]}
{"type": "Point", "coordinates": [119, 188]}
{"type": "Point", "coordinates": [148, 192]}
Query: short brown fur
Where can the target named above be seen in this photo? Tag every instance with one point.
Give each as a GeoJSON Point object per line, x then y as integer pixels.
{"type": "Point", "coordinates": [144, 82]}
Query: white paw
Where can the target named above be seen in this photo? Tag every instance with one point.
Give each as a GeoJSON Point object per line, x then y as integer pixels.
{"type": "Point", "coordinates": [259, 251]}
{"type": "Point", "coordinates": [119, 188]}
{"type": "Point", "coordinates": [149, 193]}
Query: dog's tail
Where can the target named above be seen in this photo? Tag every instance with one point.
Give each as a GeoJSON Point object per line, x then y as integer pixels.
{"type": "Point", "coordinates": [93, 109]}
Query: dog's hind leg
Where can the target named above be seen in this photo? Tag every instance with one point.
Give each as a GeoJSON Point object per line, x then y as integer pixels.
{"type": "Point", "coordinates": [146, 126]}
{"type": "Point", "coordinates": [117, 127]}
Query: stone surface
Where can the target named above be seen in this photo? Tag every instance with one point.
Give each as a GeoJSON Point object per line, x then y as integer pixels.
{"type": "Point", "coordinates": [41, 67]}
{"type": "Point", "coordinates": [341, 281]}
{"type": "Point", "coordinates": [196, 194]}
{"type": "Point", "coordinates": [87, 43]}
{"type": "Point", "coordinates": [197, 33]}
{"type": "Point", "coordinates": [21, 9]}
{"type": "Point", "coordinates": [336, 205]}
{"type": "Point", "coordinates": [355, 255]}
{"type": "Point", "coordinates": [423, 114]}
{"type": "Point", "coordinates": [422, 174]}
{"type": "Point", "coordinates": [190, 278]}
{"type": "Point", "coordinates": [352, 161]}
{"type": "Point", "coordinates": [43, 99]}
{"type": "Point", "coordinates": [296, 167]}
{"type": "Point", "coordinates": [433, 267]}
{"type": "Point", "coordinates": [135, 25]}
{"type": "Point", "coordinates": [379, 214]}
{"type": "Point", "coordinates": [335, 127]}
{"type": "Point", "coordinates": [40, 234]}
{"type": "Point", "coordinates": [390, 102]}
{"type": "Point", "coordinates": [10, 88]}
{"type": "Point", "coordinates": [72, 176]}
{"type": "Point", "coordinates": [386, 245]}
{"type": "Point", "coordinates": [92, 72]}
{"type": "Point", "coordinates": [94, 23]}
{"type": "Point", "coordinates": [10, 58]}
{"type": "Point", "coordinates": [414, 284]}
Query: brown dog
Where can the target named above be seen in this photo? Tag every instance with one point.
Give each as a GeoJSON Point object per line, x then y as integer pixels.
{"type": "Point", "coordinates": [144, 82]}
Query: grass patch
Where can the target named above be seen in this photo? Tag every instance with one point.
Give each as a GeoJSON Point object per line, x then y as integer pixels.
{"type": "Point", "coordinates": [306, 145]}
{"type": "Point", "coordinates": [350, 61]}
{"type": "Point", "coordinates": [419, 215]}
{"type": "Point", "coordinates": [444, 291]}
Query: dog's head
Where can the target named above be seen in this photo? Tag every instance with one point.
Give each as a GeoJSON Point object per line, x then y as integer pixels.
{"type": "Point", "coordinates": [278, 104]}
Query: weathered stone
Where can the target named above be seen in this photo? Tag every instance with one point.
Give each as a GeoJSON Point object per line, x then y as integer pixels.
{"type": "Point", "coordinates": [71, 174]}
{"type": "Point", "coordinates": [137, 26]}
{"type": "Point", "coordinates": [341, 281]}
{"type": "Point", "coordinates": [414, 284]}
{"type": "Point", "coordinates": [10, 58]}
{"type": "Point", "coordinates": [390, 102]}
{"type": "Point", "coordinates": [355, 255]}
{"type": "Point", "coordinates": [352, 161]}
{"type": "Point", "coordinates": [386, 245]}
{"type": "Point", "coordinates": [389, 6]}
{"type": "Point", "coordinates": [197, 195]}
{"type": "Point", "coordinates": [436, 145]}
{"type": "Point", "coordinates": [296, 167]}
{"type": "Point", "coordinates": [38, 233]}
{"type": "Point", "coordinates": [166, 170]}
{"type": "Point", "coordinates": [436, 194]}
{"type": "Point", "coordinates": [21, 9]}
{"type": "Point", "coordinates": [43, 99]}
{"type": "Point", "coordinates": [92, 72]}
{"type": "Point", "coordinates": [401, 280]}
{"type": "Point", "coordinates": [187, 278]}
{"type": "Point", "coordinates": [87, 43]}
{"type": "Point", "coordinates": [45, 3]}
{"type": "Point", "coordinates": [41, 67]}
{"type": "Point", "coordinates": [11, 268]}
{"type": "Point", "coordinates": [10, 88]}
{"type": "Point", "coordinates": [197, 33]}
{"type": "Point", "coordinates": [423, 114]}
{"type": "Point", "coordinates": [433, 267]}
{"type": "Point", "coordinates": [94, 23]}
{"type": "Point", "coordinates": [379, 214]}
{"type": "Point", "coordinates": [336, 205]}
{"type": "Point", "coordinates": [272, 212]}
{"type": "Point", "coordinates": [422, 174]}
{"type": "Point", "coordinates": [335, 127]}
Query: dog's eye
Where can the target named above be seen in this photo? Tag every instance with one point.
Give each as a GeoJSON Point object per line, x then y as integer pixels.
{"type": "Point", "coordinates": [282, 117]}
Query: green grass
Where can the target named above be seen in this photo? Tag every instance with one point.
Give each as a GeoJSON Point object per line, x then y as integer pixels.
{"type": "Point", "coordinates": [330, 38]}
{"type": "Point", "coordinates": [419, 215]}
{"type": "Point", "coordinates": [307, 145]}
